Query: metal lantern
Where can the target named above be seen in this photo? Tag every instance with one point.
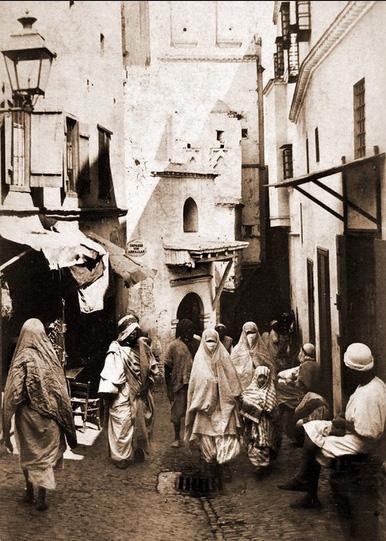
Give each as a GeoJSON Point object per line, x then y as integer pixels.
{"type": "Point", "coordinates": [28, 62]}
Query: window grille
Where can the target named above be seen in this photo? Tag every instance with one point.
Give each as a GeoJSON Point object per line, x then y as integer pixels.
{"type": "Point", "coordinates": [288, 171]}
{"type": "Point", "coordinates": [293, 59]}
{"type": "Point", "coordinates": [359, 119]}
{"type": "Point", "coordinates": [279, 58]}
{"type": "Point", "coordinates": [18, 148]}
{"type": "Point", "coordinates": [285, 21]}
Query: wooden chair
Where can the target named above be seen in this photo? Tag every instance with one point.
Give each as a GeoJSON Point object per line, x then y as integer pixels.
{"type": "Point", "coordinates": [88, 408]}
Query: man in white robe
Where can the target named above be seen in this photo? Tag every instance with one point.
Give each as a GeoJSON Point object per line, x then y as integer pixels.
{"type": "Point", "coordinates": [354, 433]}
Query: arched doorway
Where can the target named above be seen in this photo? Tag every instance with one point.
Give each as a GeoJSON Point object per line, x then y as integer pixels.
{"type": "Point", "coordinates": [191, 307]}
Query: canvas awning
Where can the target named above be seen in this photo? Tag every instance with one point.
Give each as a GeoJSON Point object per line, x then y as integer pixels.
{"type": "Point", "coordinates": [66, 246]}
{"type": "Point", "coordinates": [129, 270]}
{"type": "Point", "coordinates": [63, 246]}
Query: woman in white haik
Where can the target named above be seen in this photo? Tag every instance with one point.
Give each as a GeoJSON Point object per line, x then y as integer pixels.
{"type": "Point", "coordinates": [355, 432]}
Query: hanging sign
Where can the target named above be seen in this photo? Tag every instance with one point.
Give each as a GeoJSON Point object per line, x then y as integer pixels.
{"type": "Point", "coordinates": [135, 248]}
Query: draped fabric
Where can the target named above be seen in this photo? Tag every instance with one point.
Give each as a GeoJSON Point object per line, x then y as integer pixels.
{"type": "Point", "coordinates": [211, 418]}
{"type": "Point", "coordinates": [277, 346]}
{"type": "Point", "coordinates": [261, 420]}
{"type": "Point", "coordinates": [366, 409]}
{"type": "Point", "coordinates": [36, 378]}
{"type": "Point", "coordinates": [313, 407]}
{"type": "Point", "coordinates": [213, 387]}
{"type": "Point", "coordinates": [128, 375]}
{"type": "Point", "coordinates": [291, 393]}
{"type": "Point", "coordinates": [246, 358]}
{"type": "Point", "coordinates": [258, 399]}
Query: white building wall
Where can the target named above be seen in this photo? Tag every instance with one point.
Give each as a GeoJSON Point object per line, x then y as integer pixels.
{"type": "Point", "coordinates": [197, 83]}
{"type": "Point", "coordinates": [86, 76]}
{"type": "Point", "coordinates": [328, 105]}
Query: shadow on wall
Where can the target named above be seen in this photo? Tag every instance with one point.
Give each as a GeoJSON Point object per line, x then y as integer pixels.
{"type": "Point", "coordinates": [264, 292]}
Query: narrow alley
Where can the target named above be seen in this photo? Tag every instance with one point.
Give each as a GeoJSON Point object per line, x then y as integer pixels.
{"type": "Point", "coordinates": [95, 501]}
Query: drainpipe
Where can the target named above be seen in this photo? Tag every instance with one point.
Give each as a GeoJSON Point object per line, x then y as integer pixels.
{"type": "Point", "coordinates": [260, 103]}
{"type": "Point", "coordinates": [263, 191]}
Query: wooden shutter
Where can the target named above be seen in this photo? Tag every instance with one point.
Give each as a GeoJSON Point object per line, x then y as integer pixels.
{"type": "Point", "coordinates": [7, 132]}
{"type": "Point", "coordinates": [83, 184]}
{"type": "Point", "coordinates": [47, 144]}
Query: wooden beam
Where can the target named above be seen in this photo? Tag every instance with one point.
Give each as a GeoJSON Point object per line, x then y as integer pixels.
{"type": "Point", "coordinates": [310, 177]}
{"type": "Point", "coordinates": [320, 203]}
{"type": "Point", "coordinates": [14, 259]}
{"type": "Point", "coordinates": [222, 283]}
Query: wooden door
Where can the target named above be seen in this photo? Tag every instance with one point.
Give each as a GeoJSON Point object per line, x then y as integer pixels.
{"type": "Point", "coordinates": [325, 322]}
{"type": "Point", "coordinates": [311, 301]}
{"type": "Point", "coordinates": [380, 307]}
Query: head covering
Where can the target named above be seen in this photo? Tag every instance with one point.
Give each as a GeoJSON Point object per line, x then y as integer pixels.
{"type": "Point", "coordinates": [309, 351]}
{"type": "Point", "coordinates": [37, 378]}
{"type": "Point", "coordinates": [184, 328]}
{"type": "Point", "coordinates": [257, 399]}
{"type": "Point", "coordinates": [213, 387]}
{"type": "Point", "coordinates": [358, 357]}
{"type": "Point", "coordinates": [262, 370]}
{"type": "Point", "coordinates": [220, 326]}
{"type": "Point", "coordinates": [126, 325]}
{"type": "Point", "coordinates": [246, 358]}
{"type": "Point", "coordinates": [274, 325]}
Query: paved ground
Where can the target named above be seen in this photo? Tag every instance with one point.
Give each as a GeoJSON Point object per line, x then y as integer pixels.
{"type": "Point", "coordinates": [95, 501]}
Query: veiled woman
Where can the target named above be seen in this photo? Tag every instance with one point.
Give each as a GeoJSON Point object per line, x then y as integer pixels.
{"type": "Point", "coordinates": [126, 381]}
{"type": "Point", "coordinates": [249, 353]}
{"type": "Point", "coordinates": [211, 419]}
{"type": "Point", "coordinates": [36, 393]}
{"type": "Point", "coordinates": [261, 420]}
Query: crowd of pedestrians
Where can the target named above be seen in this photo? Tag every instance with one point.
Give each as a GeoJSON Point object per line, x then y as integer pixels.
{"type": "Point", "coordinates": [224, 399]}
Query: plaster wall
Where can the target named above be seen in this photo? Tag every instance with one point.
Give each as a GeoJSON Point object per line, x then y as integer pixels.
{"type": "Point", "coordinates": [86, 78]}
{"type": "Point", "coordinates": [328, 105]}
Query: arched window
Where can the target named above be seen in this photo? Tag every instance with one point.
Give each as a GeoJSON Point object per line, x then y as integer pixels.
{"type": "Point", "coordinates": [190, 216]}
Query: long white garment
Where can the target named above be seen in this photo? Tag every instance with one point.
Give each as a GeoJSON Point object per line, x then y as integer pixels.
{"type": "Point", "coordinates": [122, 411]}
{"type": "Point", "coordinates": [367, 410]}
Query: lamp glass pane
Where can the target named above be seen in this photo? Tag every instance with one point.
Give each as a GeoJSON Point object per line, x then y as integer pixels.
{"type": "Point", "coordinates": [11, 73]}
{"type": "Point", "coordinates": [27, 73]}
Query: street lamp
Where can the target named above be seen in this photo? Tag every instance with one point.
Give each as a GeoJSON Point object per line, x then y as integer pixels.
{"type": "Point", "coordinates": [28, 62]}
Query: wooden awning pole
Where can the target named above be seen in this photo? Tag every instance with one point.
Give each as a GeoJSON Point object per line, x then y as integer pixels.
{"type": "Point", "coordinates": [222, 284]}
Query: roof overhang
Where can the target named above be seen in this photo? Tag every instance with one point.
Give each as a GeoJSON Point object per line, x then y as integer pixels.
{"type": "Point", "coordinates": [312, 177]}
{"type": "Point", "coordinates": [348, 203]}
{"type": "Point", "coordinates": [190, 253]}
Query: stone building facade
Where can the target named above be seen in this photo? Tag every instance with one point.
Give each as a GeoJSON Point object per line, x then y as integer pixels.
{"type": "Point", "coordinates": [62, 165]}
{"type": "Point", "coordinates": [325, 154]}
{"type": "Point", "coordinates": [192, 133]}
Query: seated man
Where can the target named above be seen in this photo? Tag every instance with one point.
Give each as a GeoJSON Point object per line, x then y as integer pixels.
{"type": "Point", "coordinates": [350, 435]}
{"type": "Point", "coordinates": [294, 385]}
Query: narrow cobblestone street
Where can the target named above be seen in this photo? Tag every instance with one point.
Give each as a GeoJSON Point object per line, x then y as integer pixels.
{"type": "Point", "coordinates": [97, 502]}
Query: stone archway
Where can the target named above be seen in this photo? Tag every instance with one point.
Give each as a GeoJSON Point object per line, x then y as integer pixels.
{"type": "Point", "coordinates": [191, 307]}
